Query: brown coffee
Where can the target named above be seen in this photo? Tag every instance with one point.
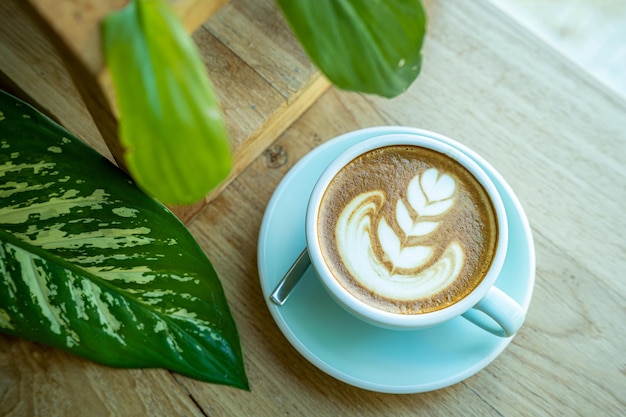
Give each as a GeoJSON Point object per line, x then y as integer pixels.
{"type": "Point", "coordinates": [407, 229]}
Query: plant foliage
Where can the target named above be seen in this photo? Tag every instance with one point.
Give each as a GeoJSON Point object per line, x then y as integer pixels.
{"type": "Point", "coordinates": [171, 125]}
{"type": "Point", "coordinates": [361, 45]}
{"type": "Point", "coordinates": [92, 265]}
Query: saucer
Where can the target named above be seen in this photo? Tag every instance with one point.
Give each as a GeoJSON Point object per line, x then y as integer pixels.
{"type": "Point", "coordinates": [347, 348]}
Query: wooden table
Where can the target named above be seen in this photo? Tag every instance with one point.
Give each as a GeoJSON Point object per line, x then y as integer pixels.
{"type": "Point", "coordinates": [555, 134]}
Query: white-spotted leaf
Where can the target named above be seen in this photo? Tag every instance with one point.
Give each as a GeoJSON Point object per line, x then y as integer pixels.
{"type": "Point", "coordinates": [92, 265]}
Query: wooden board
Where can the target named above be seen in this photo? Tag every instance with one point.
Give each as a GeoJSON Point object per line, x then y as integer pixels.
{"type": "Point", "coordinates": [261, 75]}
{"type": "Point", "coordinates": [33, 70]}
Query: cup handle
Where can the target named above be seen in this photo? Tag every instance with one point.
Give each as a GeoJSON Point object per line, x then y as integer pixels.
{"type": "Point", "coordinates": [497, 313]}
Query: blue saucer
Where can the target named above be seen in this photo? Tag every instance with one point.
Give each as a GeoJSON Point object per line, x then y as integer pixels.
{"type": "Point", "coordinates": [351, 350]}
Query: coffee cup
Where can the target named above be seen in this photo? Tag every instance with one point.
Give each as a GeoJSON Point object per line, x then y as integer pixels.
{"type": "Point", "coordinates": [407, 232]}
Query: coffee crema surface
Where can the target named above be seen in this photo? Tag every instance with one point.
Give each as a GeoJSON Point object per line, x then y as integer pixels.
{"type": "Point", "coordinates": [407, 229]}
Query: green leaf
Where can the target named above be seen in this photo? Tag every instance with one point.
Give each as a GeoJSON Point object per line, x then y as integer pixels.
{"type": "Point", "coordinates": [171, 125]}
{"type": "Point", "coordinates": [361, 45]}
{"type": "Point", "coordinates": [92, 265]}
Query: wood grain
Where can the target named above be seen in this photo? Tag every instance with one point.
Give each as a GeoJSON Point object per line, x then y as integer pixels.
{"type": "Point", "coordinates": [557, 137]}
{"type": "Point", "coordinates": [49, 382]}
{"type": "Point", "coordinates": [37, 74]}
{"type": "Point", "coordinates": [261, 75]}
{"type": "Point", "coordinates": [77, 22]}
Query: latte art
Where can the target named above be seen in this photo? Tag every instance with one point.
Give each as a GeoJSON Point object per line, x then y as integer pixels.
{"type": "Point", "coordinates": [407, 229]}
{"type": "Point", "coordinates": [401, 271]}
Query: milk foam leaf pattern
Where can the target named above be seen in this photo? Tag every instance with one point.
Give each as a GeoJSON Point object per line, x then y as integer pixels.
{"type": "Point", "coordinates": [361, 45]}
{"type": "Point", "coordinates": [406, 270]}
{"type": "Point", "coordinates": [92, 265]}
{"type": "Point", "coordinates": [430, 193]}
{"type": "Point", "coordinates": [171, 125]}
{"type": "Point", "coordinates": [409, 228]}
{"type": "Point", "coordinates": [401, 256]}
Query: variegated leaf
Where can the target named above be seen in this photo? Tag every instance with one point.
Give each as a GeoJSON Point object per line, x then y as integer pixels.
{"type": "Point", "coordinates": [92, 265]}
